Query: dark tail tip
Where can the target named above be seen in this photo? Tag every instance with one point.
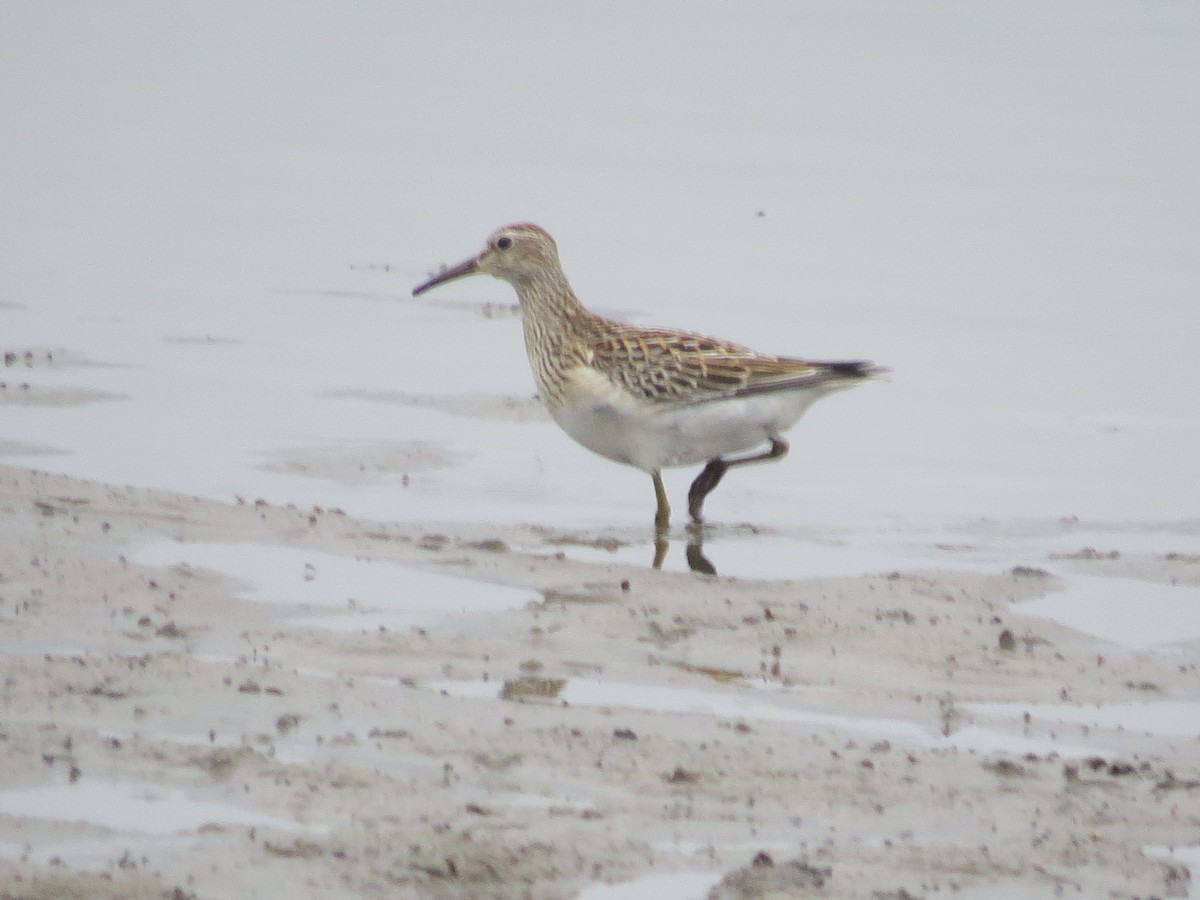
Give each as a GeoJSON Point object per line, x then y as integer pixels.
{"type": "Point", "coordinates": [857, 369]}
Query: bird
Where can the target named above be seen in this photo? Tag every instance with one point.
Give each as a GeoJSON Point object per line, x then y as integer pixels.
{"type": "Point", "coordinates": [650, 398]}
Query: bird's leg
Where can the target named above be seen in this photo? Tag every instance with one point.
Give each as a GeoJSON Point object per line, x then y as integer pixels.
{"type": "Point", "coordinates": [708, 479]}
{"type": "Point", "coordinates": [711, 475]}
{"type": "Point", "coordinates": [662, 518]}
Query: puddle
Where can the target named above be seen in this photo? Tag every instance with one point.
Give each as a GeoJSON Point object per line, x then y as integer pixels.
{"type": "Point", "coordinates": [88, 853]}
{"type": "Point", "coordinates": [133, 807]}
{"type": "Point", "coordinates": [759, 556]}
{"type": "Point", "coordinates": [368, 594]}
{"type": "Point", "coordinates": [1167, 717]}
{"type": "Point", "coordinates": [734, 705]}
{"type": "Point", "coordinates": [706, 848]}
{"type": "Point", "coordinates": [742, 705]}
{"type": "Point", "coordinates": [1136, 614]}
{"type": "Point", "coordinates": [976, 739]}
{"type": "Point", "coordinates": [680, 886]}
{"type": "Point", "coordinates": [871, 548]}
{"type": "Point", "coordinates": [660, 698]}
{"type": "Point", "coordinates": [540, 801]}
{"type": "Point", "coordinates": [1127, 543]}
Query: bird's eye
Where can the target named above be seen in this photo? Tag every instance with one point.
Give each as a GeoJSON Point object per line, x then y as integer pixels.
{"type": "Point", "coordinates": [504, 243]}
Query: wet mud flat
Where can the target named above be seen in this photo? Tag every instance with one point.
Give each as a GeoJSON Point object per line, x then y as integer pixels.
{"type": "Point", "coordinates": [207, 699]}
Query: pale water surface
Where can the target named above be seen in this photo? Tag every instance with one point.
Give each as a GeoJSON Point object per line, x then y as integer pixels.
{"type": "Point", "coordinates": [999, 203]}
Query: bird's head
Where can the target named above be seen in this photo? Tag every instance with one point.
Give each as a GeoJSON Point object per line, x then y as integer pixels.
{"type": "Point", "coordinates": [516, 253]}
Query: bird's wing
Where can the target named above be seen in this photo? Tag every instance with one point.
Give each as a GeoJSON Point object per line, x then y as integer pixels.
{"type": "Point", "coordinates": [672, 366]}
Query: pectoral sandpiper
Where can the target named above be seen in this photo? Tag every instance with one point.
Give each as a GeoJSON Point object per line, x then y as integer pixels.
{"type": "Point", "coordinates": [651, 398]}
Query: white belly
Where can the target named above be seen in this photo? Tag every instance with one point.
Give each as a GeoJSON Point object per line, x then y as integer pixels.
{"type": "Point", "coordinates": [609, 421]}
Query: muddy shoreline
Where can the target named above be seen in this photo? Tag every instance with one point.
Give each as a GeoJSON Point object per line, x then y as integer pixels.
{"type": "Point", "coordinates": [564, 744]}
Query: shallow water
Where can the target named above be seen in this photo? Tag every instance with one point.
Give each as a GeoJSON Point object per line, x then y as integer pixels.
{"type": "Point", "coordinates": [1125, 611]}
{"type": "Point", "coordinates": [749, 703]}
{"type": "Point", "coordinates": [1037, 315]}
{"type": "Point", "coordinates": [681, 886]}
{"type": "Point", "coordinates": [147, 808]}
{"type": "Point", "coordinates": [366, 593]}
{"type": "Point", "coordinates": [1165, 717]}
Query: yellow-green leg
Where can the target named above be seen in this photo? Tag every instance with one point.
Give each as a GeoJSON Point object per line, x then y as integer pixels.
{"type": "Point", "coordinates": [662, 518]}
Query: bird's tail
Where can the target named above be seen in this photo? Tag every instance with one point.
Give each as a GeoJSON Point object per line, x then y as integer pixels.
{"type": "Point", "coordinates": [852, 371]}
